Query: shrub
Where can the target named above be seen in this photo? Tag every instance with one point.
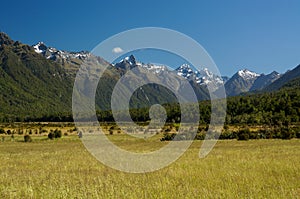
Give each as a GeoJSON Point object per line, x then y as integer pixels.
{"type": "Point", "coordinates": [167, 129]}
{"type": "Point", "coordinates": [200, 136]}
{"type": "Point", "coordinates": [2, 131]}
{"type": "Point", "coordinates": [80, 134]}
{"type": "Point", "coordinates": [254, 135]}
{"type": "Point", "coordinates": [243, 134]}
{"type": "Point", "coordinates": [226, 135]}
{"type": "Point", "coordinates": [27, 138]}
{"type": "Point", "coordinates": [57, 133]}
{"type": "Point", "coordinates": [168, 137]}
{"type": "Point", "coordinates": [286, 133]}
{"type": "Point", "coordinates": [112, 129]}
{"type": "Point", "coordinates": [51, 135]}
{"type": "Point", "coordinates": [43, 131]}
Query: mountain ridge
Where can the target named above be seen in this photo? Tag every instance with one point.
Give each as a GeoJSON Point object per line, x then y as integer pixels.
{"type": "Point", "coordinates": [36, 81]}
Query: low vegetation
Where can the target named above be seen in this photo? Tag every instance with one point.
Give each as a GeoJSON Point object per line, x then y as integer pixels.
{"type": "Point", "coordinates": [64, 169]}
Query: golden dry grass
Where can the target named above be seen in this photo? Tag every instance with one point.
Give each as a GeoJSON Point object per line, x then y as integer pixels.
{"type": "Point", "coordinates": [234, 169]}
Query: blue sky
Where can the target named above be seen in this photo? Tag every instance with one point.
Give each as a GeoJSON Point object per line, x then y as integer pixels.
{"type": "Point", "coordinates": [259, 35]}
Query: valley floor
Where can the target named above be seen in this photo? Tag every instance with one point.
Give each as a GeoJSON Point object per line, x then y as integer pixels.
{"type": "Point", "coordinates": [63, 168]}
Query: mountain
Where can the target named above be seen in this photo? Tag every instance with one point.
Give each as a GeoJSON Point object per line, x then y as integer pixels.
{"type": "Point", "coordinates": [202, 77]}
{"type": "Point", "coordinates": [127, 63]}
{"type": "Point", "coordinates": [284, 79]}
{"type": "Point", "coordinates": [264, 80]}
{"type": "Point", "coordinates": [244, 81]}
{"type": "Point", "coordinates": [150, 71]}
{"type": "Point", "coordinates": [37, 81]}
{"type": "Point", "coordinates": [146, 96]}
{"type": "Point", "coordinates": [240, 82]}
{"type": "Point", "coordinates": [71, 61]}
{"type": "Point", "coordinates": [30, 85]}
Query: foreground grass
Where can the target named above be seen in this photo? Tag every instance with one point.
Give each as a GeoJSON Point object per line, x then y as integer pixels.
{"type": "Point", "coordinates": [234, 169]}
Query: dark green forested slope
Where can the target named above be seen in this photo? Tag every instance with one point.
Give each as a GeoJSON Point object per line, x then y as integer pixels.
{"type": "Point", "coordinates": [30, 85]}
{"type": "Point", "coordinates": [273, 108]}
{"type": "Point", "coordinates": [34, 88]}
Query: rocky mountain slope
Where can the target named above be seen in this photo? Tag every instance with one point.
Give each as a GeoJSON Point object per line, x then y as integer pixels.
{"type": "Point", "coordinates": [245, 80]}
{"type": "Point", "coordinates": [37, 81]}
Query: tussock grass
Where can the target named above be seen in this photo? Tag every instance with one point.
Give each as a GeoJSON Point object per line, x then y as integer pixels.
{"type": "Point", "coordinates": [234, 169]}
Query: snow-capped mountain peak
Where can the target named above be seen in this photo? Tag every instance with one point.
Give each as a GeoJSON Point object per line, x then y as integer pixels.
{"type": "Point", "coordinates": [131, 60]}
{"type": "Point", "coordinates": [246, 74]}
{"type": "Point", "coordinates": [54, 54]}
{"type": "Point", "coordinates": [40, 47]}
{"type": "Point", "coordinates": [202, 77]}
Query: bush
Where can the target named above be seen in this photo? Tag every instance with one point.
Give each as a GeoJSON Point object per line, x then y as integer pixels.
{"type": "Point", "coordinates": [225, 135]}
{"type": "Point", "coordinates": [51, 135]}
{"type": "Point", "coordinates": [8, 132]}
{"type": "Point", "coordinates": [43, 131]}
{"type": "Point", "coordinates": [200, 136]}
{"type": "Point", "coordinates": [243, 134]}
{"type": "Point", "coordinates": [2, 131]}
{"type": "Point", "coordinates": [54, 134]}
{"type": "Point", "coordinates": [287, 133]}
{"type": "Point", "coordinates": [57, 133]}
{"type": "Point", "coordinates": [168, 137]}
{"type": "Point", "coordinates": [27, 138]}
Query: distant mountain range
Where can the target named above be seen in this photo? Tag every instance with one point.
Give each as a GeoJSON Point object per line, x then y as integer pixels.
{"type": "Point", "coordinates": [245, 80]}
{"type": "Point", "coordinates": [38, 80]}
{"type": "Point", "coordinates": [241, 82]}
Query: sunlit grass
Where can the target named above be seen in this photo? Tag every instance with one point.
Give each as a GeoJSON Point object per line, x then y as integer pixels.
{"type": "Point", "coordinates": [63, 168]}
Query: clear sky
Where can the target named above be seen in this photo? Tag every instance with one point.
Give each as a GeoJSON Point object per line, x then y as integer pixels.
{"type": "Point", "coordinates": [259, 35]}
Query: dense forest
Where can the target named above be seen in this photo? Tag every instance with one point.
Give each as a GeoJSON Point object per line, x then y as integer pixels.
{"type": "Point", "coordinates": [273, 108]}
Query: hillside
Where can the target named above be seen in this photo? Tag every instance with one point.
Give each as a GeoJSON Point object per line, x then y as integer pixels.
{"type": "Point", "coordinates": [285, 78]}
{"type": "Point", "coordinates": [37, 82]}
{"type": "Point", "coordinates": [31, 86]}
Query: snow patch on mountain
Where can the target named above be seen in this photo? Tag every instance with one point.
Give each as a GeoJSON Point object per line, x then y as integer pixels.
{"type": "Point", "coordinates": [201, 77]}
{"type": "Point", "coordinates": [53, 53]}
{"type": "Point", "coordinates": [246, 74]}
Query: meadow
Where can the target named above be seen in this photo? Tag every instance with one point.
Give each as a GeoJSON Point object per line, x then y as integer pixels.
{"type": "Point", "coordinates": [63, 168]}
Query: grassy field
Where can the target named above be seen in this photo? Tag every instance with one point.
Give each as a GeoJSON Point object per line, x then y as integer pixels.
{"type": "Point", "coordinates": [63, 168]}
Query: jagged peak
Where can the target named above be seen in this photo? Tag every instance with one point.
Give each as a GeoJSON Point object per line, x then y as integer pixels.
{"type": "Point", "coordinates": [274, 73]}
{"type": "Point", "coordinates": [5, 39]}
{"type": "Point", "coordinates": [247, 74]}
{"type": "Point", "coordinates": [130, 59]}
{"type": "Point", "coordinates": [40, 47]}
